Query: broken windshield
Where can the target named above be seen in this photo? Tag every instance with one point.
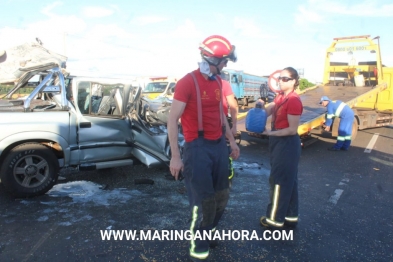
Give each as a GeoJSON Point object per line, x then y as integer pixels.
{"type": "Point", "coordinates": [156, 87]}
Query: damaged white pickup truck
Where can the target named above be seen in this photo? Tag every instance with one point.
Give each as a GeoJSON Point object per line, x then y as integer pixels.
{"type": "Point", "coordinates": [70, 121]}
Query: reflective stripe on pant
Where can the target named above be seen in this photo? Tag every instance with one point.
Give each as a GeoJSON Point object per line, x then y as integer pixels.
{"type": "Point", "coordinates": [284, 160]}
{"type": "Point", "coordinates": [206, 180]}
{"type": "Point", "coordinates": [231, 170]}
{"type": "Point", "coordinates": [230, 167]}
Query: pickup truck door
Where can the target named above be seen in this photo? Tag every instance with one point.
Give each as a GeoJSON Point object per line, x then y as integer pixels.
{"type": "Point", "coordinates": [102, 127]}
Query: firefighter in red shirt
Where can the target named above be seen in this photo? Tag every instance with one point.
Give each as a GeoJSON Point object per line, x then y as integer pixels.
{"type": "Point", "coordinates": [284, 147]}
{"type": "Point", "coordinates": [198, 103]}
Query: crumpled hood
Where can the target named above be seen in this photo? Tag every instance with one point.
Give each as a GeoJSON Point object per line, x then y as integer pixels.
{"type": "Point", "coordinates": [19, 60]}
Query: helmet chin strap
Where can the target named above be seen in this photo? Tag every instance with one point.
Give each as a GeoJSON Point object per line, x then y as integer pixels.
{"type": "Point", "coordinates": [218, 71]}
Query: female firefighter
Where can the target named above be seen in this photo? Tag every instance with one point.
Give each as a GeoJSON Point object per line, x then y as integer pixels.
{"type": "Point", "coordinates": [284, 147]}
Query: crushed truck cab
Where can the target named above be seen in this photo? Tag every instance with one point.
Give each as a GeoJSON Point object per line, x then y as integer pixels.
{"type": "Point", "coordinates": [50, 129]}
{"type": "Point", "coordinates": [71, 121]}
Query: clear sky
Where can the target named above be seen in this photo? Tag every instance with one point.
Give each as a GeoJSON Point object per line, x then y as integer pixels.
{"type": "Point", "coordinates": [161, 38]}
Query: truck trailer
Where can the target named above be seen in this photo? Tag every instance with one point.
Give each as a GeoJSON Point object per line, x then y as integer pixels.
{"type": "Point", "coordinates": [246, 87]}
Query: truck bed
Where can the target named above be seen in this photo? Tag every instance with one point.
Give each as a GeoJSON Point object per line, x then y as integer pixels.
{"type": "Point", "coordinates": [311, 98]}
{"type": "Point", "coordinates": [314, 114]}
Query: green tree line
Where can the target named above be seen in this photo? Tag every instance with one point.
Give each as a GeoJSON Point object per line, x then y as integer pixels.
{"type": "Point", "coordinates": [4, 89]}
{"type": "Point", "coordinates": [303, 84]}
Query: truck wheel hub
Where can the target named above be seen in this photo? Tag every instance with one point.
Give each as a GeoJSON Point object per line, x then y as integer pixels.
{"type": "Point", "coordinates": [31, 170]}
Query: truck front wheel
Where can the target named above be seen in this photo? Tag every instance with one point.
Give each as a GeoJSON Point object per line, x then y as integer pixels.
{"type": "Point", "coordinates": [30, 169]}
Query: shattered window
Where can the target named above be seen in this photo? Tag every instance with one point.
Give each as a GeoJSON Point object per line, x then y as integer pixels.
{"type": "Point", "coordinates": [100, 99]}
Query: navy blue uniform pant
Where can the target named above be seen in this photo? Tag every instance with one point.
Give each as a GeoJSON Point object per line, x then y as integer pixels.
{"type": "Point", "coordinates": [344, 137]}
{"type": "Point", "coordinates": [284, 160]}
{"type": "Point", "coordinates": [206, 181]}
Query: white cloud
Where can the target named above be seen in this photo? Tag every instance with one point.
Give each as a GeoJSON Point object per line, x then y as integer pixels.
{"type": "Point", "coordinates": [305, 16]}
{"type": "Point", "coordinates": [187, 30]}
{"type": "Point", "coordinates": [145, 20]}
{"type": "Point", "coordinates": [248, 28]}
{"type": "Point", "coordinates": [324, 6]}
{"type": "Point", "coordinates": [368, 9]}
{"type": "Point", "coordinates": [102, 31]}
{"type": "Point", "coordinates": [96, 11]}
{"type": "Point", "coordinates": [105, 49]}
{"type": "Point", "coordinates": [56, 24]}
{"type": "Point", "coordinates": [55, 32]}
{"type": "Point", "coordinates": [52, 32]}
{"type": "Point", "coordinates": [11, 37]}
{"type": "Point", "coordinates": [47, 10]}
{"type": "Point", "coordinates": [315, 10]}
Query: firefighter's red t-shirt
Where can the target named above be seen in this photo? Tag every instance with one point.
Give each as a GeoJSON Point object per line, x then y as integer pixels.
{"type": "Point", "coordinates": [210, 96]}
{"type": "Point", "coordinates": [226, 91]}
{"type": "Point", "coordinates": [290, 105]}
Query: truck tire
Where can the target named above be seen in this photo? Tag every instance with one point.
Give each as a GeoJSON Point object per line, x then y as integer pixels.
{"type": "Point", "coordinates": [245, 101]}
{"type": "Point", "coordinates": [334, 126]}
{"type": "Point", "coordinates": [355, 128]}
{"type": "Point", "coordinates": [336, 123]}
{"type": "Point", "coordinates": [29, 169]}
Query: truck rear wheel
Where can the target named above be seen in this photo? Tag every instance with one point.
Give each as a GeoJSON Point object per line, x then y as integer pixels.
{"type": "Point", "coordinates": [245, 101]}
{"type": "Point", "coordinates": [336, 124]}
{"type": "Point", "coordinates": [355, 127]}
{"type": "Point", "coordinates": [30, 169]}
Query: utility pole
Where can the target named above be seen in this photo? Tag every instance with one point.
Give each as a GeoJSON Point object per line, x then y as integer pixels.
{"type": "Point", "coordinates": [380, 59]}
{"type": "Point", "coordinates": [300, 72]}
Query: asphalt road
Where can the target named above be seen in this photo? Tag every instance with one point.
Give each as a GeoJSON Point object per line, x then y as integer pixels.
{"type": "Point", "coordinates": [345, 210]}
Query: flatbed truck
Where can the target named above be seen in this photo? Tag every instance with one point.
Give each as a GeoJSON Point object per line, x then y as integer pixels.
{"type": "Point", "coordinates": [372, 104]}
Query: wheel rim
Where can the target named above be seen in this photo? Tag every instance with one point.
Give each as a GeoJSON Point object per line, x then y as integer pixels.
{"type": "Point", "coordinates": [31, 171]}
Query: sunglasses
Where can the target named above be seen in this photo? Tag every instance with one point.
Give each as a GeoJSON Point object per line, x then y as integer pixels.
{"type": "Point", "coordinates": [284, 78]}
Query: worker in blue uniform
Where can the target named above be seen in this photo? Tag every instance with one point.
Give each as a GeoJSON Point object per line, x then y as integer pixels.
{"type": "Point", "coordinates": [339, 109]}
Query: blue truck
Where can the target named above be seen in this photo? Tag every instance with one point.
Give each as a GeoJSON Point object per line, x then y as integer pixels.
{"type": "Point", "coordinates": [247, 88]}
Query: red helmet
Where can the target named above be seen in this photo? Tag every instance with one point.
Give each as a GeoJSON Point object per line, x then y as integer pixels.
{"type": "Point", "coordinates": [216, 48]}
